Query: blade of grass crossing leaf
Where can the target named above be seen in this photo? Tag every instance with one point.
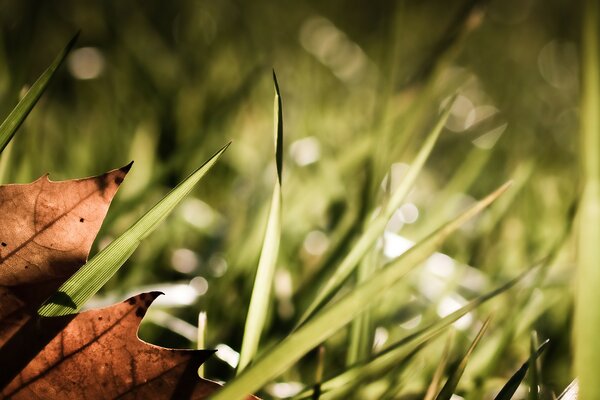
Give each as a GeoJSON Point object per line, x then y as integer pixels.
{"type": "Point", "coordinates": [452, 382]}
{"type": "Point", "coordinates": [4, 161]}
{"type": "Point", "coordinates": [71, 296]}
{"type": "Point", "coordinates": [509, 389]}
{"type": "Point", "coordinates": [330, 319]}
{"type": "Point", "coordinates": [587, 295]}
{"type": "Point", "coordinates": [9, 126]}
{"type": "Point", "coordinates": [376, 228]}
{"type": "Point", "coordinates": [263, 283]}
{"type": "Point", "coordinates": [392, 354]}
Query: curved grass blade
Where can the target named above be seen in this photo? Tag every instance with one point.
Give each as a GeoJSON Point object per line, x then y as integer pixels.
{"type": "Point", "coordinates": [71, 296]}
{"type": "Point", "coordinates": [263, 283]}
{"type": "Point", "coordinates": [513, 383]}
{"type": "Point", "coordinates": [452, 382]}
{"type": "Point", "coordinates": [335, 316]}
{"type": "Point", "coordinates": [19, 113]}
{"type": "Point", "coordinates": [376, 228]}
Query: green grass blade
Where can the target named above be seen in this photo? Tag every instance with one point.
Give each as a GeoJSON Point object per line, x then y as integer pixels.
{"type": "Point", "coordinates": [587, 295]}
{"type": "Point", "coordinates": [19, 113]}
{"type": "Point", "coordinates": [361, 329]}
{"type": "Point", "coordinates": [452, 382]}
{"type": "Point", "coordinates": [391, 355]}
{"type": "Point", "coordinates": [436, 380]}
{"type": "Point", "coordinates": [376, 228]}
{"type": "Point", "coordinates": [330, 319]}
{"type": "Point", "coordinates": [263, 283]}
{"type": "Point", "coordinates": [513, 383]}
{"type": "Point", "coordinates": [96, 272]}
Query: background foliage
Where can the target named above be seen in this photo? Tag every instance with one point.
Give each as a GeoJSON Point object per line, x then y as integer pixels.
{"type": "Point", "coordinates": [168, 83]}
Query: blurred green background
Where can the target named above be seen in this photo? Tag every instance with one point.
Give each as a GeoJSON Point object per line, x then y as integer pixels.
{"type": "Point", "coordinates": [168, 83]}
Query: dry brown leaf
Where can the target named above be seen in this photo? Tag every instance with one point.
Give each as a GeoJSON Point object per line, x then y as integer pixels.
{"type": "Point", "coordinates": [98, 355]}
{"type": "Point", "coordinates": [46, 233]}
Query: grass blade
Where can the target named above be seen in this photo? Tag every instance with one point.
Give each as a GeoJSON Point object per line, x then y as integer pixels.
{"type": "Point", "coordinates": [395, 352]}
{"type": "Point", "coordinates": [513, 383]}
{"type": "Point", "coordinates": [587, 318]}
{"type": "Point", "coordinates": [452, 382]}
{"type": "Point", "coordinates": [533, 368]}
{"type": "Point", "coordinates": [263, 283]}
{"type": "Point", "coordinates": [436, 380]}
{"type": "Point", "coordinates": [19, 113]}
{"type": "Point", "coordinates": [201, 340]}
{"type": "Point", "coordinates": [332, 318]}
{"type": "Point", "coordinates": [376, 228]}
{"type": "Point", "coordinates": [96, 272]}
{"type": "Point", "coordinates": [571, 392]}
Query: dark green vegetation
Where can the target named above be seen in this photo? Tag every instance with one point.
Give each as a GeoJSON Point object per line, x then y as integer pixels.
{"type": "Point", "coordinates": [168, 83]}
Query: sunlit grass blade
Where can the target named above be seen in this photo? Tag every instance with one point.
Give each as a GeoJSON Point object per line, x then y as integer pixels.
{"type": "Point", "coordinates": [360, 332]}
{"type": "Point", "coordinates": [330, 319]}
{"type": "Point", "coordinates": [571, 392]}
{"type": "Point", "coordinates": [436, 380]}
{"type": "Point", "coordinates": [452, 382]}
{"type": "Point", "coordinates": [395, 352]}
{"type": "Point", "coordinates": [9, 126]}
{"type": "Point", "coordinates": [263, 283]}
{"type": "Point", "coordinates": [587, 295]}
{"type": "Point", "coordinates": [376, 227]}
{"type": "Point", "coordinates": [513, 383]}
{"type": "Point", "coordinates": [96, 272]}
{"type": "Point", "coordinates": [201, 340]}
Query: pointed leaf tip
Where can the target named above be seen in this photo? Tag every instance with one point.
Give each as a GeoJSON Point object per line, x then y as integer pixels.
{"type": "Point", "coordinates": [127, 167]}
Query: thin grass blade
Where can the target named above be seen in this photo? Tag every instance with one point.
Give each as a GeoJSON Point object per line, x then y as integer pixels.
{"type": "Point", "coordinates": [263, 283]}
{"type": "Point", "coordinates": [533, 368]}
{"type": "Point", "coordinates": [376, 228]}
{"type": "Point", "coordinates": [9, 126]}
{"type": "Point", "coordinates": [335, 316]}
{"type": "Point", "coordinates": [571, 392]}
{"type": "Point", "coordinates": [452, 382]}
{"type": "Point", "coordinates": [436, 380]}
{"type": "Point", "coordinates": [71, 296]}
{"type": "Point", "coordinates": [509, 389]}
{"type": "Point", "coordinates": [395, 352]}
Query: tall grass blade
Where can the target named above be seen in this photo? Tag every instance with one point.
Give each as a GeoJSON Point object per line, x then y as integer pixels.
{"type": "Point", "coordinates": [376, 228]}
{"type": "Point", "coordinates": [452, 382]}
{"type": "Point", "coordinates": [509, 389]}
{"type": "Point", "coordinates": [263, 283]}
{"type": "Point", "coordinates": [96, 272]}
{"type": "Point", "coordinates": [587, 295]}
{"type": "Point", "coordinates": [330, 319]}
{"type": "Point", "coordinates": [9, 126]}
